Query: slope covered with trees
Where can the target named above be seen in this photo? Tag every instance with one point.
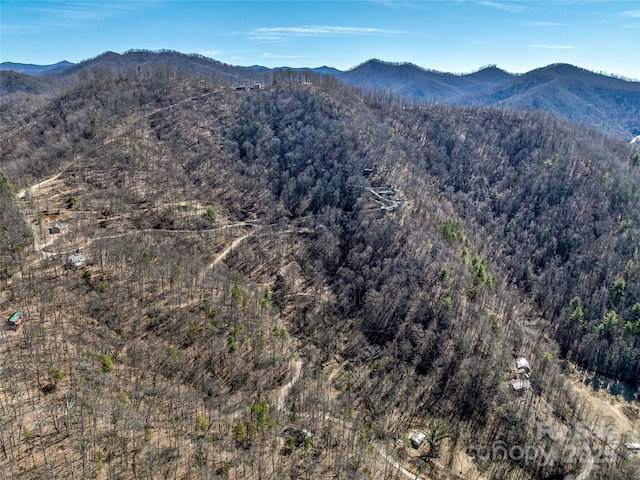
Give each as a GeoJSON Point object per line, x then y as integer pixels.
{"type": "Point", "coordinates": [282, 282]}
{"type": "Point", "coordinates": [607, 103]}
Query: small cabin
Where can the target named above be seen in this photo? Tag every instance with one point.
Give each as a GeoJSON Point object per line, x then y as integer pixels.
{"type": "Point", "coordinates": [370, 353]}
{"type": "Point", "coordinates": [15, 321]}
{"type": "Point", "coordinates": [75, 261]}
{"type": "Point", "coordinates": [633, 446]}
{"type": "Point", "coordinates": [417, 438]}
{"type": "Point", "coordinates": [299, 436]}
{"type": "Point", "coordinates": [384, 191]}
{"type": "Point", "coordinates": [56, 227]}
{"type": "Point", "coordinates": [520, 385]}
{"type": "Point", "coordinates": [522, 365]}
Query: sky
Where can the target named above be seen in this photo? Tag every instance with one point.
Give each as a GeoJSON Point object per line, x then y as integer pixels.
{"type": "Point", "coordinates": [458, 36]}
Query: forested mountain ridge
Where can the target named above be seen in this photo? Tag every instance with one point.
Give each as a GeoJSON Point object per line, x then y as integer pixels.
{"type": "Point", "coordinates": [607, 103]}
{"type": "Point", "coordinates": [175, 61]}
{"type": "Point", "coordinates": [36, 70]}
{"type": "Point", "coordinates": [305, 257]}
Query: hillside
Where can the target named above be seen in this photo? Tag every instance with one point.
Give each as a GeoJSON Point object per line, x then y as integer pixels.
{"type": "Point", "coordinates": [13, 82]}
{"type": "Point", "coordinates": [607, 103]}
{"type": "Point", "coordinates": [174, 62]}
{"type": "Point", "coordinates": [430, 86]}
{"type": "Point", "coordinates": [287, 282]}
{"type": "Point", "coordinates": [35, 70]}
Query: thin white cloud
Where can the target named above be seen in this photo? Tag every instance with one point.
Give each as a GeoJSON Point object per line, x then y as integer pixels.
{"type": "Point", "coordinates": [11, 28]}
{"type": "Point", "coordinates": [78, 13]}
{"type": "Point", "coordinates": [210, 52]}
{"type": "Point", "coordinates": [631, 14]}
{"type": "Point", "coordinates": [397, 3]}
{"type": "Point", "coordinates": [272, 55]}
{"type": "Point", "coordinates": [506, 7]}
{"type": "Point", "coordinates": [544, 24]}
{"type": "Point", "coordinates": [280, 33]}
{"type": "Point", "coordinates": [275, 55]}
{"type": "Point", "coordinates": [554, 47]}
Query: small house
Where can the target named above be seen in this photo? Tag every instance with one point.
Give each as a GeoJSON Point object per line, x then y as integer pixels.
{"type": "Point", "coordinates": [299, 436]}
{"type": "Point", "coordinates": [56, 227]}
{"type": "Point", "coordinates": [522, 365]}
{"type": "Point", "coordinates": [75, 261]}
{"type": "Point", "coordinates": [384, 191]}
{"type": "Point", "coordinates": [370, 353]}
{"type": "Point", "coordinates": [15, 321]}
{"type": "Point", "coordinates": [633, 446]}
{"type": "Point", "coordinates": [520, 385]}
{"type": "Point", "coordinates": [417, 438]}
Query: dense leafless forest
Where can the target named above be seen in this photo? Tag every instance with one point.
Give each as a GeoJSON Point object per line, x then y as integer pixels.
{"type": "Point", "coordinates": [288, 279]}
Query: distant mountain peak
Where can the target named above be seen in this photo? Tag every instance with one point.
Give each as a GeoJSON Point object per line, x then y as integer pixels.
{"type": "Point", "coordinates": [562, 69]}
{"type": "Point", "coordinates": [377, 63]}
{"type": "Point", "coordinates": [32, 69]}
{"type": "Point", "coordinates": [490, 72]}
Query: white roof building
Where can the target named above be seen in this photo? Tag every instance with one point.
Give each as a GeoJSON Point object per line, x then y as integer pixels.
{"type": "Point", "coordinates": [417, 438]}
{"type": "Point", "coordinates": [632, 446]}
{"type": "Point", "coordinates": [522, 365]}
{"type": "Point", "coordinates": [75, 261]}
{"type": "Point", "coordinates": [519, 385]}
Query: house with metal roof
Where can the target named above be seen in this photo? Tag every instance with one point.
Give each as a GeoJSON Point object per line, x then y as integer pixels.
{"type": "Point", "coordinates": [76, 260]}
{"type": "Point", "coordinates": [56, 227]}
{"type": "Point", "coordinates": [522, 365]}
{"type": "Point", "coordinates": [15, 320]}
{"type": "Point", "coordinates": [417, 438]}
{"type": "Point", "coordinates": [520, 384]}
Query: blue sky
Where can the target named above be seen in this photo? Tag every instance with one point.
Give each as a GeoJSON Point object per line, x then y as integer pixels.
{"type": "Point", "coordinates": [447, 35]}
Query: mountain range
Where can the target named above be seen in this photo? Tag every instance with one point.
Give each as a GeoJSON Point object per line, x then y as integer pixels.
{"type": "Point", "coordinates": [607, 103]}
{"type": "Point", "coordinates": [31, 69]}
{"type": "Point", "coordinates": [603, 102]}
